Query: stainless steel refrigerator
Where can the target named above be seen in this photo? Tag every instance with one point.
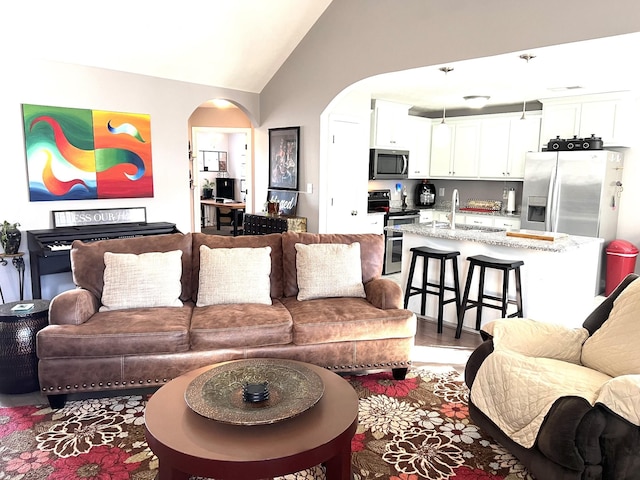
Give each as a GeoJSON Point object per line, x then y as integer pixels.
{"type": "Point", "coordinates": [574, 192]}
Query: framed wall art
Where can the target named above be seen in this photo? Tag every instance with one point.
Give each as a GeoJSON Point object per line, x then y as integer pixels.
{"type": "Point", "coordinates": [287, 199]}
{"type": "Point", "coordinates": [81, 154]}
{"type": "Point", "coordinates": [284, 158]}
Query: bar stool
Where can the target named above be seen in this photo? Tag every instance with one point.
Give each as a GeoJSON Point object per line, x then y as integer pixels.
{"type": "Point", "coordinates": [506, 266]}
{"type": "Point", "coordinates": [442, 256]}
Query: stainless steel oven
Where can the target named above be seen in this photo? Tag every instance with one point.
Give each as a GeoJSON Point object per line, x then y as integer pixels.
{"type": "Point", "coordinates": [380, 201]}
{"type": "Point", "coordinates": [393, 241]}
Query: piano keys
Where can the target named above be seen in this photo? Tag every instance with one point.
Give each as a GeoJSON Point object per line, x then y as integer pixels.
{"type": "Point", "coordinates": [49, 249]}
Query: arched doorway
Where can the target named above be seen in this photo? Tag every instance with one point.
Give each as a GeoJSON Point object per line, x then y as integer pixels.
{"type": "Point", "coordinates": [221, 147]}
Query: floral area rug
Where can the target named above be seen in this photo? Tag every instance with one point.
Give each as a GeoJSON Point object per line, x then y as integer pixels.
{"type": "Point", "coordinates": [417, 428]}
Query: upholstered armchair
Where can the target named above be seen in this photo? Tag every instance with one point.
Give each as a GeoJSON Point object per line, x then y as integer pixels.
{"type": "Point", "coordinates": [565, 401]}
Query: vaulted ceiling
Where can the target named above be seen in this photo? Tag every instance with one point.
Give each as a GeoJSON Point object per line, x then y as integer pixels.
{"type": "Point", "coordinates": [241, 44]}
{"type": "Point", "coordinates": [237, 44]}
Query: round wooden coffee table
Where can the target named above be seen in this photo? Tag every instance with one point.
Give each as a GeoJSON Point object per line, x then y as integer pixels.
{"type": "Point", "coordinates": [189, 444]}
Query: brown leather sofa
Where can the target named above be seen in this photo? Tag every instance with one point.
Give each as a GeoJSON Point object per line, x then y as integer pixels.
{"type": "Point", "coordinates": [87, 350]}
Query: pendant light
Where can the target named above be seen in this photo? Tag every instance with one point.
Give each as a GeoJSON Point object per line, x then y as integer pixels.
{"type": "Point", "coordinates": [442, 134]}
{"type": "Point", "coordinates": [527, 57]}
{"type": "Point", "coordinates": [444, 106]}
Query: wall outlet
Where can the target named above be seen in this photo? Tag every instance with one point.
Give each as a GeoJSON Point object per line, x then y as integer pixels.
{"type": "Point", "coordinates": [441, 193]}
{"type": "Point", "coordinates": [309, 187]}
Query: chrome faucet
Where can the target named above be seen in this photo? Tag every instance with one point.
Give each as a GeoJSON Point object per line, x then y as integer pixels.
{"type": "Point", "coordinates": [455, 201]}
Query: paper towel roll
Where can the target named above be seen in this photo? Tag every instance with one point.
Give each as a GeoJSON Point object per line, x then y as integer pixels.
{"type": "Point", "coordinates": [511, 201]}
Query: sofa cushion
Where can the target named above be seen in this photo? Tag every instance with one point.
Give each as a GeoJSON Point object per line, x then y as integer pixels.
{"type": "Point", "coordinates": [329, 270]}
{"type": "Point", "coordinates": [120, 332]}
{"type": "Point", "coordinates": [234, 275]}
{"type": "Point", "coordinates": [240, 325]}
{"type": "Point", "coordinates": [345, 319]}
{"type": "Point", "coordinates": [272, 240]}
{"type": "Point", "coordinates": [371, 254]}
{"type": "Point", "coordinates": [87, 259]}
{"type": "Point", "coordinates": [612, 349]}
{"type": "Point", "coordinates": [146, 280]}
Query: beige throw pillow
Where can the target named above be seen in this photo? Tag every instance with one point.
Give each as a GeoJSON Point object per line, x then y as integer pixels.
{"type": "Point", "coordinates": [234, 275]}
{"type": "Point", "coordinates": [329, 270]}
{"type": "Point", "coordinates": [613, 348]}
{"type": "Point", "coordinates": [145, 280]}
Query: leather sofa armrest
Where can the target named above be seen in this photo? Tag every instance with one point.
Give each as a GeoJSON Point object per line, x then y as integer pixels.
{"type": "Point", "coordinates": [571, 433]}
{"type": "Point", "coordinates": [475, 360]}
{"type": "Point", "coordinates": [73, 307]}
{"type": "Point", "coordinates": [384, 293]}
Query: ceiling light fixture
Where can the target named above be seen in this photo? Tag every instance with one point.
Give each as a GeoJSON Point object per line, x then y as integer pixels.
{"type": "Point", "coordinates": [476, 101]}
{"type": "Point", "coordinates": [444, 106]}
{"type": "Point", "coordinates": [527, 57]}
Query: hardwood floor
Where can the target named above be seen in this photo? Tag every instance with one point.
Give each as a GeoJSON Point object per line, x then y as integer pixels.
{"type": "Point", "coordinates": [443, 349]}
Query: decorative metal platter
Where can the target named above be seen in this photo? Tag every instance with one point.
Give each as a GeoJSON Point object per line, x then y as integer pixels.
{"type": "Point", "coordinates": [218, 393]}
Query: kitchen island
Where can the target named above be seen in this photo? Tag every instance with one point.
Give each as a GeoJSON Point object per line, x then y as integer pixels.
{"type": "Point", "coordinates": [559, 277]}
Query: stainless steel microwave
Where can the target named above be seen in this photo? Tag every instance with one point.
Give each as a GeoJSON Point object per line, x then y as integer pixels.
{"type": "Point", "coordinates": [388, 164]}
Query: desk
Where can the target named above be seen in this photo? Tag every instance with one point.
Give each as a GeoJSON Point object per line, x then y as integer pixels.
{"type": "Point", "coordinates": [236, 208]}
{"type": "Point", "coordinates": [18, 262]}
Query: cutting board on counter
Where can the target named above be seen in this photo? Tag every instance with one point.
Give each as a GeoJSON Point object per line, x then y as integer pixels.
{"type": "Point", "coordinates": [537, 235]}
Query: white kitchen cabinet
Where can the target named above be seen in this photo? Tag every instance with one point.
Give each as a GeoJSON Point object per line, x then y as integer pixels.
{"type": "Point", "coordinates": [454, 150]}
{"type": "Point", "coordinates": [605, 115]}
{"type": "Point", "coordinates": [524, 136]}
{"type": "Point", "coordinates": [559, 120]}
{"type": "Point", "coordinates": [504, 142]}
{"type": "Point", "coordinates": [493, 157]}
{"type": "Point", "coordinates": [419, 141]}
{"type": "Point", "coordinates": [389, 122]}
{"type": "Point", "coordinates": [510, 223]}
{"type": "Point", "coordinates": [426, 216]}
{"type": "Point", "coordinates": [374, 223]}
{"type": "Point", "coordinates": [478, 220]}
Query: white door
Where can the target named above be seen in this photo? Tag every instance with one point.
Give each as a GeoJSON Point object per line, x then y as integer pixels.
{"type": "Point", "coordinates": [348, 175]}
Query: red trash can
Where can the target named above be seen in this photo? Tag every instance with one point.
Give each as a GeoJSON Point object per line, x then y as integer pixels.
{"type": "Point", "coordinates": [621, 261]}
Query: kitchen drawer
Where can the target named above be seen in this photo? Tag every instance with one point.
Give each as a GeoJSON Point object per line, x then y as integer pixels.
{"type": "Point", "coordinates": [510, 223]}
{"type": "Point", "coordinates": [374, 223]}
{"type": "Point", "coordinates": [480, 220]}
{"type": "Point", "coordinates": [426, 216]}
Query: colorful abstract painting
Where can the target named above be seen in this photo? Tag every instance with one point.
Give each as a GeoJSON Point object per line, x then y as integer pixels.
{"type": "Point", "coordinates": [80, 154]}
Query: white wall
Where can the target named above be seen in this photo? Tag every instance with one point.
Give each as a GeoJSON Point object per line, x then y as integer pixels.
{"type": "Point", "coordinates": [169, 104]}
{"type": "Point", "coordinates": [352, 41]}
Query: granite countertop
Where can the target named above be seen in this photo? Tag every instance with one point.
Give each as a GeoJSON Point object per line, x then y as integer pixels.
{"type": "Point", "coordinates": [493, 236]}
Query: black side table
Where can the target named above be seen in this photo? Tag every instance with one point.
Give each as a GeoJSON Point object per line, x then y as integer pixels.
{"type": "Point", "coordinates": [18, 360]}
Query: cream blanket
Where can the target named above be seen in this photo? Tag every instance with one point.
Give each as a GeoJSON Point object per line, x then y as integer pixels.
{"type": "Point", "coordinates": [533, 365]}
